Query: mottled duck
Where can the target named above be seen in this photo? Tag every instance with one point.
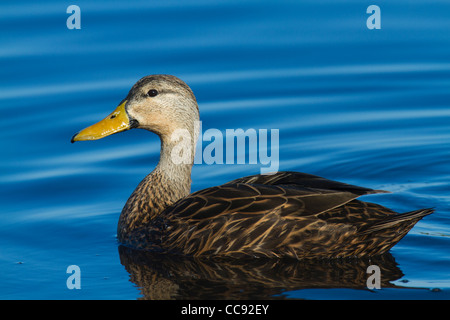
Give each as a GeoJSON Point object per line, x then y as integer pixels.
{"type": "Point", "coordinates": [285, 214]}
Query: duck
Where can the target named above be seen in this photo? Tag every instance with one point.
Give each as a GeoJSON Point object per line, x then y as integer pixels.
{"type": "Point", "coordinates": [284, 214]}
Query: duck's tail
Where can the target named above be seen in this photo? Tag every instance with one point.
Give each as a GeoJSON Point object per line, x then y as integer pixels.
{"type": "Point", "coordinates": [381, 236]}
{"type": "Point", "coordinates": [401, 222]}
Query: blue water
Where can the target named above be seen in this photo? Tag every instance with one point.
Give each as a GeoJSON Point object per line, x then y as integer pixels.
{"type": "Point", "coordinates": [367, 107]}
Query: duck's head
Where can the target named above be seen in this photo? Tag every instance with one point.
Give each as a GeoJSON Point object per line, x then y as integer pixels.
{"type": "Point", "coordinates": [159, 103]}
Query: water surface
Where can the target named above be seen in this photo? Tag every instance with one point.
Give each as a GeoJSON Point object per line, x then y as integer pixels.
{"type": "Point", "coordinates": [367, 107]}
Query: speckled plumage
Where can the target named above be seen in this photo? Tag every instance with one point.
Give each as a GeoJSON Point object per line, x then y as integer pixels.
{"type": "Point", "coordinates": [272, 217]}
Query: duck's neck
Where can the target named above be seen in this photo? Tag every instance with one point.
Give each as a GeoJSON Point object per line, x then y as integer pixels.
{"type": "Point", "coordinates": [167, 183]}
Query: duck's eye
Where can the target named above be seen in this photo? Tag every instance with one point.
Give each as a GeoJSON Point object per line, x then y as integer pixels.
{"type": "Point", "coordinates": [152, 93]}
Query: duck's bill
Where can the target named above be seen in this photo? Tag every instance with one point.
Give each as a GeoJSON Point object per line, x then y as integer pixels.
{"type": "Point", "coordinates": [117, 121]}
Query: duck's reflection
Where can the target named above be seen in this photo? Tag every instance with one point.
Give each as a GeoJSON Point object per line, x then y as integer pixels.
{"type": "Point", "coordinates": [163, 276]}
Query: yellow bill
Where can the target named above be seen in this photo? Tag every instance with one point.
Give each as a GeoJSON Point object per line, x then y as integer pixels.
{"type": "Point", "coordinates": [117, 121]}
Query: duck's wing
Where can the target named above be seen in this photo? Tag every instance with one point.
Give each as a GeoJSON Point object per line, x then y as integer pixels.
{"type": "Point", "coordinates": [305, 180]}
{"type": "Point", "coordinates": [287, 214]}
{"type": "Point", "coordinates": [249, 219]}
{"type": "Point", "coordinates": [288, 193]}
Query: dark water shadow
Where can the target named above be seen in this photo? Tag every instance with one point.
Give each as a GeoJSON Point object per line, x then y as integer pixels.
{"type": "Point", "coordinates": [163, 276]}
